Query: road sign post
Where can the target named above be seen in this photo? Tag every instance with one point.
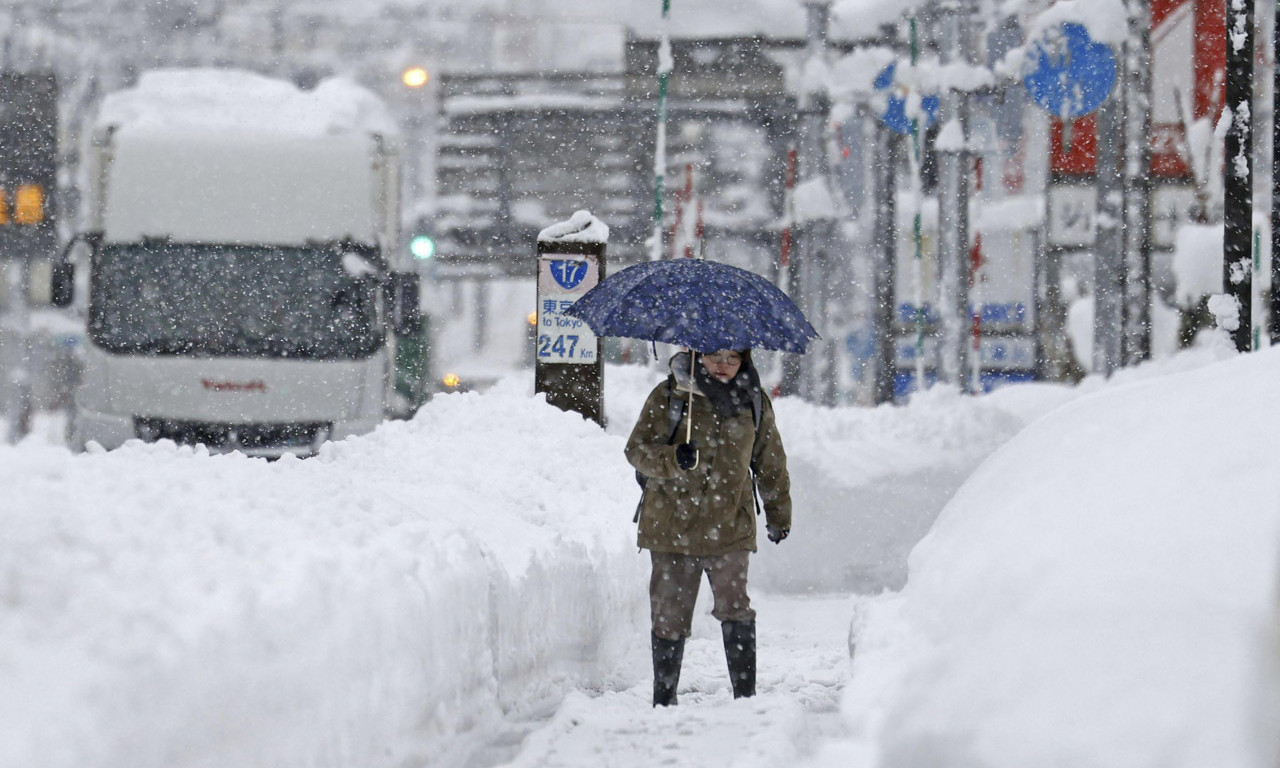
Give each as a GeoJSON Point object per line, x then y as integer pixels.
{"type": "Point", "coordinates": [1071, 76]}
{"type": "Point", "coordinates": [568, 366]}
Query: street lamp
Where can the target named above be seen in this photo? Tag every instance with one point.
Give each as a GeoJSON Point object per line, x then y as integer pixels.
{"type": "Point", "coordinates": [415, 77]}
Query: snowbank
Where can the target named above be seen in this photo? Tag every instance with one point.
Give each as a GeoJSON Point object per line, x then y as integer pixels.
{"type": "Point", "coordinates": [867, 483]}
{"type": "Point", "coordinates": [1165, 322]}
{"type": "Point", "coordinates": [1197, 262]}
{"type": "Point", "coordinates": [379, 604]}
{"type": "Point", "coordinates": [399, 598]}
{"type": "Point", "coordinates": [1101, 592]}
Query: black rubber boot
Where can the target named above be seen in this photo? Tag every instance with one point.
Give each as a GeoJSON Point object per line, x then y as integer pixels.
{"type": "Point", "coordinates": [740, 651]}
{"type": "Point", "coordinates": [667, 655]}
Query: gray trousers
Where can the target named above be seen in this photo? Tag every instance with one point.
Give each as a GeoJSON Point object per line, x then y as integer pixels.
{"type": "Point", "coordinates": [673, 590]}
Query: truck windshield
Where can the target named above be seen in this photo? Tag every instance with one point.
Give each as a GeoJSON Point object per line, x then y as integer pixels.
{"type": "Point", "coordinates": [238, 301]}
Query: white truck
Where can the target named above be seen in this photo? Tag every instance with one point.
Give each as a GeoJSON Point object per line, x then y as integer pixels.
{"type": "Point", "coordinates": [245, 284]}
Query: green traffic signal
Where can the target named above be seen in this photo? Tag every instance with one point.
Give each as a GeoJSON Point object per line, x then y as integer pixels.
{"type": "Point", "coordinates": [422, 247]}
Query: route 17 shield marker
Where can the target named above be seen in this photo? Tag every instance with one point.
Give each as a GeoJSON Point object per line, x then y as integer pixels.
{"type": "Point", "coordinates": [566, 351]}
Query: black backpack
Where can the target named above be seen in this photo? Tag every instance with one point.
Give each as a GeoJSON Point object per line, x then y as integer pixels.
{"type": "Point", "coordinates": [675, 411]}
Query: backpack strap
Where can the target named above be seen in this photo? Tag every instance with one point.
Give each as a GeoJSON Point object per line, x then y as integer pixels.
{"type": "Point", "coordinates": [675, 412]}
{"type": "Point", "coordinates": [757, 412]}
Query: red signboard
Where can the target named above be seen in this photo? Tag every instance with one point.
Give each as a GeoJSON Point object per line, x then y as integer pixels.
{"type": "Point", "coordinates": [1188, 40]}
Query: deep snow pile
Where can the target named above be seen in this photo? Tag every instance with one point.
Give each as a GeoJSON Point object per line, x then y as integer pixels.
{"type": "Point", "coordinates": [868, 482]}
{"type": "Point", "coordinates": [397, 595]}
{"type": "Point", "coordinates": [401, 597]}
{"type": "Point", "coordinates": [1101, 592]}
{"type": "Point", "coordinates": [371, 606]}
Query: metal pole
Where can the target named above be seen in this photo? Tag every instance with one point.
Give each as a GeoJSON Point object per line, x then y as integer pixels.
{"type": "Point", "coordinates": [1109, 251]}
{"type": "Point", "coordinates": [975, 330]}
{"type": "Point", "coordinates": [953, 209]}
{"type": "Point", "coordinates": [886, 243]}
{"type": "Point", "coordinates": [1275, 181]}
{"type": "Point", "coordinates": [1237, 202]}
{"type": "Point", "coordinates": [1137, 185]}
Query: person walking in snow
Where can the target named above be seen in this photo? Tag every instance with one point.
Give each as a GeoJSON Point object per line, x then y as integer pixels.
{"type": "Point", "coordinates": [705, 439]}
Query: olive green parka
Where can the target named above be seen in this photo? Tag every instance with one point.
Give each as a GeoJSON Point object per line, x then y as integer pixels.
{"type": "Point", "coordinates": [707, 510]}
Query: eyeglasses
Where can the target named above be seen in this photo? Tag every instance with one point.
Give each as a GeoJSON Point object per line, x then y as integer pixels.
{"type": "Point", "coordinates": [724, 358]}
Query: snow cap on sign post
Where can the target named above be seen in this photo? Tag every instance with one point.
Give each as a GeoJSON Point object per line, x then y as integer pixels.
{"type": "Point", "coordinates": [582, 227]}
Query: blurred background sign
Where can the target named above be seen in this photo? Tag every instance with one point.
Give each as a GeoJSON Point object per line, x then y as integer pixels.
{"type": "Point", "coordinates": [1073, 74]}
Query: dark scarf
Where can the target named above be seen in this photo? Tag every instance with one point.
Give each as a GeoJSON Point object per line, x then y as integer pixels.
{"type": "Point", "coordinates": [733, 395]}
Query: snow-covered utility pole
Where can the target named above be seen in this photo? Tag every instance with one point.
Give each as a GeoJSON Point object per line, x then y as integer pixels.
{"type": "Point", "coordinates": [665, 65]}
{"type": "Point", "coordinates": [917, 197]}
{"type": "Point", "coordinates": [1108, 288]}
{"type": "Point", "coordinates": [953, 198]}
{"type": "Point", "coordinates": [1137, 184]}
{"type": "Point", "coordinates": [1237, 198]}
{"type": "Point", "coordinates": [814, 205]}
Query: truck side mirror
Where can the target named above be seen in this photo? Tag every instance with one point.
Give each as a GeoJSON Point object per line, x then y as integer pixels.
{"type": "Point", "coordinates": [406, 315]}
{"type": "Point", "coordinates": [62, 284]}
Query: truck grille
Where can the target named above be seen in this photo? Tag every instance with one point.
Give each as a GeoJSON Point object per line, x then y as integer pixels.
{"type": "Point", "coordinates": [252, 439]}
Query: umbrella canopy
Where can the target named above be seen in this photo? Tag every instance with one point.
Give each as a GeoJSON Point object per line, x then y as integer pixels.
{"type": "Point", "coordinates": [703, 305]}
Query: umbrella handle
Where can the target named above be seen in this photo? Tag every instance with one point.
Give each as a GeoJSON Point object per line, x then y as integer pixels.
{"type": "Point", "coordinates": [688, 425]}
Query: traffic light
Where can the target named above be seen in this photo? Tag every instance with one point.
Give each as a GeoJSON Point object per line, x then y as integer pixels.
{"type": "Point", "coordinates": [28, 204]}
{"type": "Point", "coordinates": [25, 207]}
{"type": "Point", "coordinates": [422, 247]}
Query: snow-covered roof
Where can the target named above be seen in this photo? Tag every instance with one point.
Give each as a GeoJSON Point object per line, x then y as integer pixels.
{"type": "Point", "coordinates": [181, 100]}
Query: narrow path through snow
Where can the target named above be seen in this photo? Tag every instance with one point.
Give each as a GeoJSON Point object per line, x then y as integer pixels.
{"type": "Point", "coordinates": [803, 660]}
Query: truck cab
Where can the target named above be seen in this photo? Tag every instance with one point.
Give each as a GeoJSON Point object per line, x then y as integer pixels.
{"type": "Point", "coordinates": [243, 286]}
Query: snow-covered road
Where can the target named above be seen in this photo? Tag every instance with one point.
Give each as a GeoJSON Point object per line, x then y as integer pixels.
{"type": "Point", "coordinates": [803, 667]}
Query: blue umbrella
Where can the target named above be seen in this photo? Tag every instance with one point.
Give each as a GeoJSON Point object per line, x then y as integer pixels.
{"type": "Point", "coordinates": [703, 305]}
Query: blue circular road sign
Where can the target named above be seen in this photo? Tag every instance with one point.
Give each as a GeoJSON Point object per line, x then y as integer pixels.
{"type": "Point", "coordinates": [895, 114]}
{"type": "Point", "coordinates": [1072, 74]}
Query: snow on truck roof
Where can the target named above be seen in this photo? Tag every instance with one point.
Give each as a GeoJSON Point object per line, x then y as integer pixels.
{"type": "Point", "coordinates": [180, 100]}
{"type": "Point", "coordinates": [226, 156]}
